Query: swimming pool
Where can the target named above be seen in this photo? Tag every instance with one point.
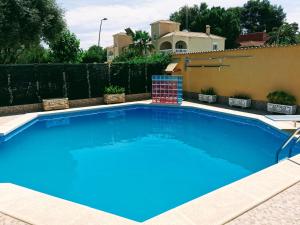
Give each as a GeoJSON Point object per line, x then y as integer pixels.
{"type": "Point", "coordinates": [136, 161]}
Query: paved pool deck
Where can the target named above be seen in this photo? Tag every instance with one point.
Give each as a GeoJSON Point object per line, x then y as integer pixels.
{"type": "Point", "coordinates": [270, 197]}
{"type": "Point", "coordinates": [282, 209]}
{"type": "Point", "coordinates": [8, 220]}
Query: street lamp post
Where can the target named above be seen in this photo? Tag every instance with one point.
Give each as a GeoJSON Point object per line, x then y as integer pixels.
{"type": "Point", "coordinates": [100, 31]}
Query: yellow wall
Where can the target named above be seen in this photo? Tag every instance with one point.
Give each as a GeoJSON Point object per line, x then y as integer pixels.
{"type": "Point", "coordinates": [122, 41]}
{"type": "Point", "coordinates": [205, 44]}
{"type": "Point", "coordinates": [161, 28]}
{"type": "Point", "coordinates": [266, 70]}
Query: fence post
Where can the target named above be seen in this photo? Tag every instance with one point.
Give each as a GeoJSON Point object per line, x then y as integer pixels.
{"type": "Point", "coordinates": [88, 81]}
{"type": "Point", "coordinates": [35, 69]}
{"type": "Point", "coordinates": [109, 71]}
{"type": "Point", "coordinates": [65, 88]}
{"type": "Point", "coordinates": [129, 76]}
{"type": "Point", "coordinates": [146, 77]}
{"type": "Point", "coordinates": [11, 96]}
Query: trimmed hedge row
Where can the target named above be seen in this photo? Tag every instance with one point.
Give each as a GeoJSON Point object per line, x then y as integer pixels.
{"type": "Point", "coordinates": [26, 84]}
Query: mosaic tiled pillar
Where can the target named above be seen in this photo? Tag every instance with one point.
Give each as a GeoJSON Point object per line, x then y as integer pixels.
{"type": "Point", "coordinates": [167, 89]}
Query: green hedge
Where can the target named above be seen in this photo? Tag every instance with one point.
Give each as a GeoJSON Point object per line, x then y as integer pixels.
{"type": "Point", "coordinates": [4, 94]}
{"type": "Point", "coordinates": [26, 84]}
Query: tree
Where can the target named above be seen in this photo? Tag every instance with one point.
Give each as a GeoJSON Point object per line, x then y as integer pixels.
{"type": "Point", "coordinates": [224, 22]}
{"type": "Point", "coordinates": [95, 54]}
{"type": "Point", "coordinates": [286, 34]}
{"type": "Point", "coordinates": [66, 48]}
{"type": "Point", "coordinates": [260, 15]}
{"type": "Point", "coordinates": [25, 23]}
{"type": "Point", "coordinates": [298, 37]}
{"type": "Point", "coordinates": [141, 40]}
{"type": "Point", "coordinates": [189, 14]}
{"type": "Point", "coordinates": [35, 54]}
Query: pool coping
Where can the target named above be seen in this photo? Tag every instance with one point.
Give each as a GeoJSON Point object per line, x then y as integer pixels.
{"type": "Point", "coordinates": [22, 119]}
{"type": "Point", "coordinates": [217, 207]}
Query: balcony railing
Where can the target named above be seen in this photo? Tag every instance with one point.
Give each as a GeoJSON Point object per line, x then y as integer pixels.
{"type": "Point", "coordinates": [180, 50]}
{"type": "Point", "coordinates": [167, 51]}
{"type": "Point", "coordinates": [177, 50]}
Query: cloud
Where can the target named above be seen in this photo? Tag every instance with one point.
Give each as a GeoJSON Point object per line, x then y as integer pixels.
{"type": "Point", "coordinates": [83, 17]}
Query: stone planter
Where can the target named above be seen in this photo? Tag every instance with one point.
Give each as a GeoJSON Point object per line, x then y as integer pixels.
{"type": "Point", "coordinates": [282, 109]}
{"type": "Point", "coordinates": [55, 104]}
{"type": "Point", "coordinates": [244, 103]}
{"type": "Point", "coordinates": [207, 98]}
{"type": "Point", "coordinates": [114, 98]}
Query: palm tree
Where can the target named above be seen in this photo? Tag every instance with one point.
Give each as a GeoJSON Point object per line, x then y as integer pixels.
{"type": "Point", "coordinates": [141, 41]}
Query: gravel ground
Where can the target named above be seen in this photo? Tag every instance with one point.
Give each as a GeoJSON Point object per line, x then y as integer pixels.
{"type": "Point", "coordinates": [283, 209]}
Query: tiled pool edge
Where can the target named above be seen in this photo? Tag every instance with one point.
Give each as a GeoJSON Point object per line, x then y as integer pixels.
{"type": "Point", "coordinates": [28, 117]}
{"type": "Point", "coordinates": [38, 208]}
{"type": "Point", "coordinates": [25, 118]}
{"type": "Point", "coordinates": [217, 207]}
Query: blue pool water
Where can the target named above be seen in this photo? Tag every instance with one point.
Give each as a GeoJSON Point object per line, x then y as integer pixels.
{"type": "Point", "coordinates": [136, 161]}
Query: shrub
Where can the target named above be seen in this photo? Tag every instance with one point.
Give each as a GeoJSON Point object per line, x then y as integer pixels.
{"type": "Point", "coordinates": [111, 90]}
{"type": "Point", "coordinates": [241, 96]}
{"type": "Point", "coordinates": [94, 54]}
{"type": "Point", "coordinates": [281, 97]}
{"type": "Point", "coordinates": [208, 91]}
{"type": "Point", "coordinates": [154, 58]}
{"type": "Point", "coordinates": [130, 57]}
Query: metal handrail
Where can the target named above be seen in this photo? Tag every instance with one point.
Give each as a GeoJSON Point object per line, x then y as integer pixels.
{"type": "Point", "coordinates": [287, 143]}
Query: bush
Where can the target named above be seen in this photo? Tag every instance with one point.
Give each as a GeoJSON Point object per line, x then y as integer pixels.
{"type": "Point", "coordinates": [130, 57]}
{"type": "Point", "coordinates": [281, 97]}
{"type": "Point", "coordinates": [242, 96]}
{"type": "Point", "coordinates": [34, 54]}
{"type": "Point", "coordinates": [154, 58]}
{"type": "Point", "coordinates": [208, 91]}
{"type": "Point", "coordinates": [111, 90]}
{"type": "Point", "coordinates": [94, 54]}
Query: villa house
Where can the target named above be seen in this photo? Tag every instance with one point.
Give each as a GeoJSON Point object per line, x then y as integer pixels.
{"type": "Point", "coordinates": [121, 42]}
{"type": "Point", "coordinates": [167, 37]}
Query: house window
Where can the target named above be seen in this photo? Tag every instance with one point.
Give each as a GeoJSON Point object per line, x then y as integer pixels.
{"type": "Point", "coordinates": [215, 47]}
{"type": "Point", "coordinates": [180, 46]}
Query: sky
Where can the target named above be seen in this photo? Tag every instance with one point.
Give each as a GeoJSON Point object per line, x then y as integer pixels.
{"type": "Point", "coordinates": [83, 16]}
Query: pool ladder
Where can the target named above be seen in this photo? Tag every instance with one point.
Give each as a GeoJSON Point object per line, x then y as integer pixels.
{"type": "Point", "coordinates": [291, 138]}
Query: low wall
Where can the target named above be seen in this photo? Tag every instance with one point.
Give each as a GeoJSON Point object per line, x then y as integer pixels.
{"type": "Point", "coordinates": [223, 100]}
{"type": "Point", "coordinates": [255, 72]}
{"type": "Point", "coordinates": [21, 109]}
